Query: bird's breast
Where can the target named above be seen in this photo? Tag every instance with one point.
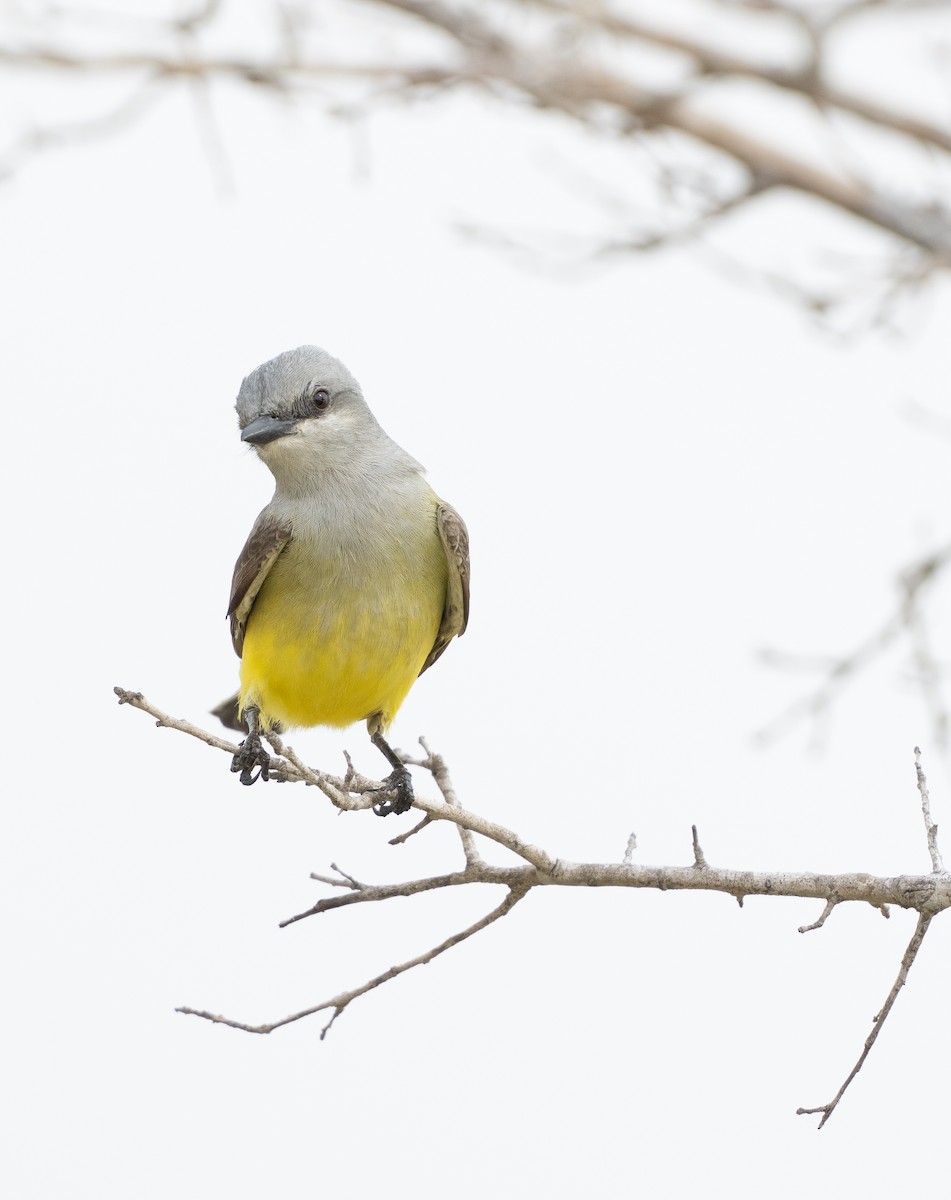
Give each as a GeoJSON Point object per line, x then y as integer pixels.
{"type": "Point", "coordinates": [345, 620]}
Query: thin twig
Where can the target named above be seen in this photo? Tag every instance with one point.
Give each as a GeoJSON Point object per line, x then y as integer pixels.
{"type": "Point", "coordinates": [436, 765]}
{"type": "Point", "coordinates": [830, 905]}
{"type": "Point", "coordinates": [373, 894]}
{"type": "Point", "coordinates": [698, 860]}
{"type": "Point", "coordinates": [417, 828]}
{"type": "Point", "coordinates": [164, 721]}
{"type": "Point", "coordinates": [331, 882]}
{"type": "Point", "coordinates": [937, 863]}
{"type": "Point", "coordinates": [354, 883]}
{"type": "Point", "coordinates": [521, 878]}
{"type": "Point", "coordinates": [334, 789]}
{"type": "Point", "coordinates": [924, 920]}
{"type": "Point", "coordinates": [340, 1002]}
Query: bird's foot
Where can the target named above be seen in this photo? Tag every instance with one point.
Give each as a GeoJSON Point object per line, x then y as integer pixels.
{"type": "Point", "coordinates": [251, 754]}
{"type": "Point", "coordinates": [399, 783]}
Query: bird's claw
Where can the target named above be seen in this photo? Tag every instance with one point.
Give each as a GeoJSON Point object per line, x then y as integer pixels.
{"type": "Point", "coordinates": [399, 784]}
{"type": "Point", "coordinates": [252, 754]}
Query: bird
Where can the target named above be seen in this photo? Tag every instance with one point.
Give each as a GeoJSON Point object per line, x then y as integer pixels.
{"type": "Point", "coordinates": [354, 578]}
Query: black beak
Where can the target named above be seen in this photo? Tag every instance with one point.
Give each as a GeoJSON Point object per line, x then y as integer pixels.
{"type": "Point", "coordinates": [267, 429]}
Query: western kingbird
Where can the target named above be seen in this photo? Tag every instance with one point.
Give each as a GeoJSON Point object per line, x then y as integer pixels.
{"type": "Point", "coordinates": [353, 580]}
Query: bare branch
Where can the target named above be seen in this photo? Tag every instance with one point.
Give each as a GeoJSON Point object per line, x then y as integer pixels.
{"type": "Point", "coordinates": [928, 894]}
{"type": "Point", "coordinates": [932, 891]}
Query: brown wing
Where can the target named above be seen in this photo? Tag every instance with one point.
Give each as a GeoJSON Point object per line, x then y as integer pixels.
{"type": "Point", "coordinates": [265, 542]}
{"type": "Point", "coordinates": [455, 539]}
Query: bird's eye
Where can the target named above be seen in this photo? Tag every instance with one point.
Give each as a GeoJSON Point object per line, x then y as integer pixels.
{"type": "Point", "coordinates": [312, 401]}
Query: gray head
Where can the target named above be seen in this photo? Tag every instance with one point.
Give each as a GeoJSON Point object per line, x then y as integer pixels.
{"type": "Point", "coordinates": [302, 410]}
{"type": "Point", "coordinates": [296, 386]}
{"type": "Point", "coordinates": [286, 386]}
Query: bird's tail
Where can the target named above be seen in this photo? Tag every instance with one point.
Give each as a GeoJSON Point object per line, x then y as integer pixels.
{"type": "Point", "coordinates": [228, 713]}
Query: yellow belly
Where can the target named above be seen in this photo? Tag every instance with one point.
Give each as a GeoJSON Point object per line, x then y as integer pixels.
{"type": "Point", "coordinates": [330, 646]}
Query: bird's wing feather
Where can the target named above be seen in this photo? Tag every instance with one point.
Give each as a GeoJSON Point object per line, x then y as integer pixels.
{"type": "Point", "coordinates": [455, 540]}
{"type": "Point", "coordinates": [265, 542]}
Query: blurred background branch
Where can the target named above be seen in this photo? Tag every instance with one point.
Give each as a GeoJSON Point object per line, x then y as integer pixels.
{"type": "Point", "coordinates": [716, 105]}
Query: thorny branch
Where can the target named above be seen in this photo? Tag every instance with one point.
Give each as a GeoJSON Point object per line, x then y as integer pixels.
{"type": "Point", "coordinates": [926, 894]}
{"type": "Point", "coordinates": [570, 58]}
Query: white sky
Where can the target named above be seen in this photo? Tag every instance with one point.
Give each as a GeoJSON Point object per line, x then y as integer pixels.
{"type": "Point", "coordinates": [661, 472]}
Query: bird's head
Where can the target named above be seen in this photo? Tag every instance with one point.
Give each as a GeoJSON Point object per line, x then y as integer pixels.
{"type": "Point", "coordinates": [302, 410]}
